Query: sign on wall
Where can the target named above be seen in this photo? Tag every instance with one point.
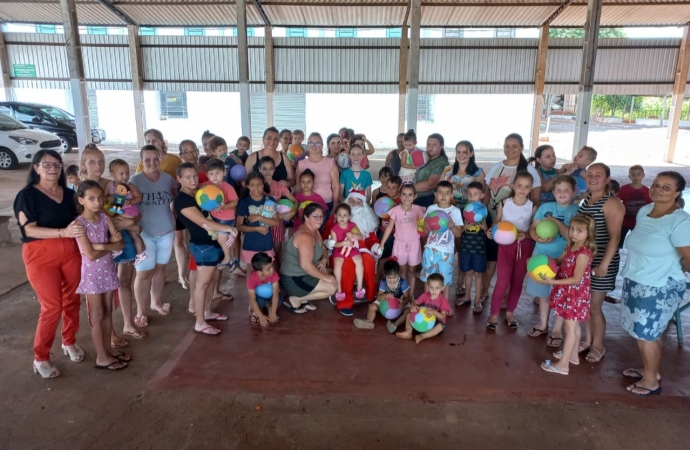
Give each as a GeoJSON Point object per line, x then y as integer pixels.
{"type": "Point", "coordinates": [24, 70]}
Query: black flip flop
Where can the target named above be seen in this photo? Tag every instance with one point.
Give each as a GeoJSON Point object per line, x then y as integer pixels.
{"type": "Point", "coordinates": [512, 324]}
{"type": "Point", "coordinates": [121, 355]}
{"type": "Point", "coordinates": [463, 302]}
{"type": "Point", "coordinates": [656, 391]}
{"type": "Point", "coordinates": [491, 325]}
{"type": "Point", "coordinates": [108, 367]}
{"type": "Point", "coordinates": [292, 309]}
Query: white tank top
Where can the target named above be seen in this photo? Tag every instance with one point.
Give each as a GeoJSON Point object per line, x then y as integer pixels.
{"type": "Point", "coordinates": [520, 216]}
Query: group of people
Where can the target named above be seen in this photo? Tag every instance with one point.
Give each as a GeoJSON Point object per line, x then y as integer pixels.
{"type": "Point", "coordinates": [329, 243]}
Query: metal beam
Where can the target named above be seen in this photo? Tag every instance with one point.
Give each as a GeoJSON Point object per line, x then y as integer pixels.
{"type": "Point", "coordinates": [556, 13]}
{"type": "Point", "coordinates": [678, 96]}
{"type": "Point", "coordinates": [137, 69]}
{"type": "Point", "coordinates": [243, 64]}
{"type": "Point", "coordinates": [76, 73]}
{"type": "Point", "coordinates": [118, 12]}
{"type": "Point", "coordinates": [263, 14]}
{"type": "Point", "coordinates": [402, 77]}
{"type": "Point", "coordinates": [539, 79]}
{"type": "Point", "coordinates": [270, 75]}
{"type": "Point", "coordinates": [5, 81]}
{"type": "Point", "coordinates": [413, 65]}
{"type": "Point", "coordinates": [589, 57]}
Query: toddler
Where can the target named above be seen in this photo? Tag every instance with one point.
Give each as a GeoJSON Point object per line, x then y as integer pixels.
{"type": "Point", "coordinates": [393, 286]}
{"type": "Point", "coordinates": [435, 302]}
{"type": "Point", "coordinates": [72, 174]}
{"type": "Point", "coordinates": [346, 246]}
{"type": "Point", "coordinates": [129, 197]}
{"type": "Point", "coordinates": [473, 252]}
{"type": "Point", "coordinates": [578, 168]}
{"type": "Point", "coordinates": [634, 196]}
{"type": "Point", "coordinates": [225, 213]}
{"type": "Point", "coordinates": [264, 291]}
{"type": "Point", "coordinates": [408, 169]}
{"type": "Point", "coordinates": [241, 150]}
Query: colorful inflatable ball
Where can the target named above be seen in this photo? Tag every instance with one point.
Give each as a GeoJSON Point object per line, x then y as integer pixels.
{"type": "Point", "coordinates": [437, 222]}
{"type": "Point", "coordinates": [474, 212]}
{"type": "Point", "coordinates": [383, 206]}
{"type": "Point", "coordinates": [504, 233]}
{"type": "Point", "coordinates": [422, 320]}
{"type": "Point", "coordinates": [547, 229]}
{"type": "Point", "coordinates": [542, 265]}
{"type": "Point", "coordinates": [390, 308]}
{"type": "Point", "coordinates": [209, 197]}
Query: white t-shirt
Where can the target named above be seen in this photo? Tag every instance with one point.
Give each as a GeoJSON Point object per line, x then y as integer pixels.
{"type": "Point", "coordinates": [444, 242]}
{"type": "Point", "coordinates": [499, 178]}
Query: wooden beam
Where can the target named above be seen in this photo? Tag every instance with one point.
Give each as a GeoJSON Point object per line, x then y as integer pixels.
{"type": "Point", "coordinates": [6, 80]}
{"type": "Point", "coordinates": [137, 69]}
{"type": "Point", "coordinates": [413, 64]}
{"type": "Point", "coordinates": [270, 75]}
{"type": "Point", "coordinates": [539, 79]}
{"type": "Point", "coordinates": [243, 64]}
{"type": "Point", "coordinates": [402, 77]}
{"type": "Point", "coordinates": [678, 96]}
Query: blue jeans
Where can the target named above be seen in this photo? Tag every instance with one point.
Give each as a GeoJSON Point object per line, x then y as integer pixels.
{"type": "Point", "coordinates": [206, 255]}
{"type": "Point", "coordinates": [262, 301]}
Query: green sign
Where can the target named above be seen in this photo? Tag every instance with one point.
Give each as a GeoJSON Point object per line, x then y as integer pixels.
{"type": "Point", "coordinates": [24, 70]}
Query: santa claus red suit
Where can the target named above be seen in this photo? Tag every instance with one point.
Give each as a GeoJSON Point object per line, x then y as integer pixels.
{"type": "Point", "coordinates": [367, 222]}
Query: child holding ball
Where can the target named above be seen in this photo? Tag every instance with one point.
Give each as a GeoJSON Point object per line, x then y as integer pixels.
{"type": "Point", "coordinates": [263, 290]}
{"type": "Point", "coordinates": [570, 299]}
{"type": "Point", "coordinates": [393, 286]}
{"type": "Point", "coordinates": [435, 302]}
{"type": "Point", "coordinates": [473, 252]}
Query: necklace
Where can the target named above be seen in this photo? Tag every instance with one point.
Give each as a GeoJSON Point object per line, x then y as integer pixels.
{"type": "Point", "coordinates": [56, 195]}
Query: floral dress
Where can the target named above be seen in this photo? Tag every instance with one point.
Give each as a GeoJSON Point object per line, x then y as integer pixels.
{"type": "Point", "coordinates": [572, 302]}
{"type": "Point", "coordinates": [98, 276]}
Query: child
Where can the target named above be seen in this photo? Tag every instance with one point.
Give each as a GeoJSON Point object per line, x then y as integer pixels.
{"type": "Point", "coordinates": [578, 168]}
{"type": "Point", "coordinates": [263, 279]}
{"type": "Point", "coordinates": [257, 236]}
{"type": "Point", "coordinates": [346, 247]}
{"type": "Point", "coordinates": [219, 148]}
{"type": "Point", "coordinates": [298, 139]}
{"type": "Point", "coordinates": [267, 167]}
{"type": "Point", "coordinates": [72, 174]}
{"type": "Point", "coordinates": [511, 265]}
{"type": "Point", "coordinates": [307, 194]}
{"type": "Point", "coordinates": [473, 252]}
{"type": "Point", "coordinates": [355, 178]}
{"type": "Point", "coordinates": [367, 147]}
{"type": "Point", "coordinates": [407, 247]}
{"type": "Point", "coordinates": [119, 172]}
{"type": "Point", "coordinates": [393, 286]}
{"type": "Point", "coordinates": [242, 146]}
{"type": "Point", "coordinates": [440, 248]}
{"type": "Point", "coordinates": [435, 302]}
{"type": "Point", "coordinates": [384, 175]}
{"type": "Point", "coordinates": [570, 299]}
{"type": "Point", "coordinates": [225, 213]}
{"type": "Point", "coordinates": [559, 212]}
{"type": "Point", "coordinates": [408, 169]}
{"type": "Point", "coordinates": [393, 191]}
{"type": "Point", "coordinates": [544, 161]}
{"type": "Point", "coordinates": [634, 196]}
{"type": "Point", "coordinates": [614, 187]}
{"type": "Point", "coordinates": [98, 275]}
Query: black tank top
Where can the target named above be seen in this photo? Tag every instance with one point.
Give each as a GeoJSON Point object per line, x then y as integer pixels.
{"type": "Point", "coordinates": [281, 172]}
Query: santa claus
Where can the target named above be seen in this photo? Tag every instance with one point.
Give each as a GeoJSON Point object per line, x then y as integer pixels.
{"type": "Point", "coordinates": [367, 222]}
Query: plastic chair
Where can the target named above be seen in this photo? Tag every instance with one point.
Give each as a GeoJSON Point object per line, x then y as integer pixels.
{"type": "Point", "coordinates": [676, 319]}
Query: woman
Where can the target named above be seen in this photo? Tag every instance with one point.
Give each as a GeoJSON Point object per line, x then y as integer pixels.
{"type": "Point", "coordinates": [304, 272]}
{"type": "Point", "coordinates": [335, 146]}
{"type": "Point", "coordinates": [653, 278]}
{"type": "Point", "coordinates": [169, 162]}
{"type": "Point", "coordinates": [283, 172]}
{"type": "Point", "coordinates": [46, 213]}
{"type": "Point", "coordinates": [608, 212]}
{"type": "Point", "coordinates": [393, 157]}
{"type": "Point", "coordinates": [158, 232]}
{"type": "Point", "coordinates": [499, 180]}
{"type": "Point", "coordinates": [327, 179]}
{"type": "Point", "coordinates": [428, 176]}
{"type": "Point", "coordinates": [285, 138]}
{"type": "Point", "coordinates": [205, 250]}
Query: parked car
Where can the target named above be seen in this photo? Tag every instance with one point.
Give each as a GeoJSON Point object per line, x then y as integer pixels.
{"type": "Point", "coordinates": [48, 118]}
{"type": "Point", "coordinates": [101, 132]}
{"type": "Point", "coordinates": [19, 143]}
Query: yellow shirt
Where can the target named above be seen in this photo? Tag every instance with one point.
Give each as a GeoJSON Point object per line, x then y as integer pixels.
{"type": "Point", "coordinates": [168, 165]}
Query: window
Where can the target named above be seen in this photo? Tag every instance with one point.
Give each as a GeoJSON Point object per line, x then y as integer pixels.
{"type": "Point", "coordinates": [505, 32]}
{"type": "Point", "coordinates": [26, 114]}
{"type": "Point", "coordinates": [425, 108]}
{"type": "Point", "coordinates": [5, 109]}
{"type": "Point", "coordinates": [194, 32]}
{"type": "Point", "coordinates": [393, 33]}
{"type": "Point", "coordinates": [296, 32]}
{"type": "Point", "coordinates": [346, 32]}
{"type": "Point", "coordinates": [147, 31]}
{"type": "Point", "coordinates": [453, 32]}
{"type": "Point", "coordinates": [173, 105]}
{"type": "Point", "coordinates": [96, 30]}
{"type": "Point", "coordinates": [46, 29]}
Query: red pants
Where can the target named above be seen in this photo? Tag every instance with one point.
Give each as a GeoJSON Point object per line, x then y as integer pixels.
{"type": "Point", "coordinates": [348, 280]}
{"type": "Point", "coordinates": [511, 269]}
{"type": "Point", "coordinates": [53, 267]}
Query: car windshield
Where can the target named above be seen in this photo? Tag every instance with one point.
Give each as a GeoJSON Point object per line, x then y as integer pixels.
{"type": "Point", "coordinates": [9, 124]}
{"type": "Point", "coordinates": [56, 113]}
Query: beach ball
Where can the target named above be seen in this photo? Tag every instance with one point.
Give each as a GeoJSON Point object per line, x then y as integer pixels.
{"type": "Point", "coordinates": [238, 172]}
{"type": "Point", "coordinates": [296, 153]}
{"type": "Point", "coordinates": [580, 186]}
{"type": "Point", "coordinates": [504, 233]}
{"type": "Point", "coordinates": [383, 206]}
{"type": "Point", "coordinates": [437, 222]}
{"type": "Point", "coordinates": [303, 205]}
{"type": "Point", "coordinates": [546, 229]}
{"type": "Point", "coordinates": [539, 265]}
{"type": "Point", "coordinates": [390, 308]}
{"type": "Point", "coordinates": [209, 197]}
{"type": "Point", "coordinates": [284, 206]}
{"type": "Point", "coordinates": [474, 212]}
{"type": "Point", "coordinates": [343, 161]}
{"type": "Point", "coordinates": [421, 321]}
{"type": "Point", "coordinates": [264, 290]}
{"type": "Point", "coordinates": [419, 158]}
{"type": "Point", "coordinates": [420, 228]}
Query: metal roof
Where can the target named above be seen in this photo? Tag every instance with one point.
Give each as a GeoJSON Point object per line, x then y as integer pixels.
{"type": "Point", "coordinates": [351, 13]}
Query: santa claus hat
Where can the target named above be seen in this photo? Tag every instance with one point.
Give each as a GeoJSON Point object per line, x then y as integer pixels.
{"type": "Point", "coordinates": [358, 194]}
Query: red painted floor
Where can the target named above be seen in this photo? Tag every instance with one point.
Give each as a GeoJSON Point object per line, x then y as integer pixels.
{"type": "Point", "coordinates": [322, 353]}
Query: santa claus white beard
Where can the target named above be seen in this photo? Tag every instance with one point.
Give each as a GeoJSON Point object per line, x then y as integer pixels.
{"type": "Point", "coordinates": [365, 219]}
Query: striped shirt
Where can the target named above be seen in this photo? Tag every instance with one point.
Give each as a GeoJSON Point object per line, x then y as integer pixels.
{"type": "Point", "coordinates": [607, 283]}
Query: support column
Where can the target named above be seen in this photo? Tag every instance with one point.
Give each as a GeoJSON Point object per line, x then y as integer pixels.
{"type": "Point", "coordinates": [413, 72]}
{"type": "Point", "coordinates": [5, 81]}
{"type": "Point", "coordinates": [539, 79]}
{"type": "Point", "coordinates": [270, 75]}
{"type": "Point", "coordinates": [243, 64]}
{"type": "Point", "coordinates": [137, 69]}
{"type": "Point", "coordinates": [402, 77]}
{"type": "Point", "coordinates": [76, 73]}
{"type": "Point", "coordinates": [589, 56]}
{"type": "Point", "coordinates": [678, 96]}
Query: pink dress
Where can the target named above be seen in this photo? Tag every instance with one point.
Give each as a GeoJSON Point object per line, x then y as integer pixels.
{"type": "Point", "coordinates": [130, 210]}
{"type": "Point", "coordinates": [572, 302]}
{"type": "Point", "coordinates": [99, 276]}
{"type": "Point", "coordinates": [340, 236]}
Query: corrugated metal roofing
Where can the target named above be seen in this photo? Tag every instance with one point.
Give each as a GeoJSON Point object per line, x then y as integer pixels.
{"type": "Point", "coordinates": [623, 15]}
{"type": "Point", "coordinates": [336, 16]}
{"type": "Point", "coordinates": [91, 13]}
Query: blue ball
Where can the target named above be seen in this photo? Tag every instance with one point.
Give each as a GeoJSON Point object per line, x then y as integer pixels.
{"type": "Point", "coordinates": [238, 172]}
{"type": "Point", "coordinates": [265, 291]}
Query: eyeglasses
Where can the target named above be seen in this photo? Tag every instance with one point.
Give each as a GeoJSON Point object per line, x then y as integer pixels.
{"type": "Point", "coordinates": [48, 165]}
{"type": "Point", "coordinates": [316, 217]}
{"type": "Point", "coordinates": [315, 144]}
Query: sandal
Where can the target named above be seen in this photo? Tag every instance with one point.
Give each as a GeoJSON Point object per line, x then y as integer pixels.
{"type": "Point", "coordinates": [555, 342]}
{"type": "Point", "coordinates": [294, 310]}
{"type": "Point", "coordinates": [138, 259]}
{"type": "Point", "coordinates": [512, 324]}
{"type": "Point", "coordinates": [216, 316]}
{"type": "Point", "coordinates": [559, 355]}
{"type": "Point", "coordinates": [364, 324]}
{"type": "Point", "coordinates": [460, 291]}
{"type": "Point", "coordinates": [75, 353]}
{"type": "Point", "coordinates": [594, 355]}
{"type": "Point", "coordinates": [359, 295]}
{"type": "Point", "coordinates": [163, 310]}
{"type": "Point", "coordinates": [390, 326]}
{"type": "Point", "coordinates": [463, 302]}
{"type": "Point", "coordinates": [224, 297]}
{"type": "Point", "coordinates": [208, 330]}
{"type": "Point", "coordinates": [648, 392]}
{"type": "Point", "coordinates": [546, 365]}
{"type": "Point", "coordinates": [141, 321]}
{"type": "Point", "coordinates": [254, 320]}
{"type": "Point", "coordinates": [536, 332]}
{"type": "Point", "coordinates": [122, 356]}
{"type": "Point", "coordinates": [583, 347]}
{"type": "Point", "coordinates": [477, 308]}
{"type": "Point", "coordinates": [339, 296]}
{"type": "Point", "coordinates": [112, 365]}
{"type": "Point", "coordinates": [118, 342]}
{"type": "Point", "coordinates": [637, 373]}
{"type": "Point", "coordinates": [491, 325]}
{"type": "Point", "coordinates": [136, 334]}
{"type": "Point", "coordinates": [309, 306]}
{"type": "Point", "coordinates": [46, 371]}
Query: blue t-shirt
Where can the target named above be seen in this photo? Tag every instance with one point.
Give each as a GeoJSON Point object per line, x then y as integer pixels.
{"type": "Point", "coordinates": [254, 241]}
{"type": "Point", "coordinates": [562, 213]}
{"type": "Point", "coordinates": [547, 197]}
{"type": "Point", "coordinates": [350, 181]}
{"type": "Point", "coordinates": [397, 291]}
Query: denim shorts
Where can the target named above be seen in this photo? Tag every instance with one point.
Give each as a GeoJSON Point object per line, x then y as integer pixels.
{"type": "Point", "coordinates": [206, 255]}
{"type": "Point", "coordinates": [262, 301]}
{"type": "Point", "coordinates": [230, 222]}
{"type": "Point", "coordinates": [158, 250]}
{"type": "Point", "coordinates": [470, 262]}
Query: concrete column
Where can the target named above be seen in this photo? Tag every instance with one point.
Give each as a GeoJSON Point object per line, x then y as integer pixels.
{"type": "Point", "coordinates": [402, 78]}
{"type": "Point", "coordinates": [678, 96]}
{"type": "Point", "coordinates": [76, 73]}
{"type": "Point", "coordinates": [5, 81]}
{"type": "Point", "coordinates": [270, 75]}
{"type": "Point", "coordinates": [243, 64]}
{"type": "Point", "coordinates": [539, 79]}
{"type": "Point", "coordinates": [135, 61]}
{"type": "Point", "coordinates": [589, 56]}
{"type": "Point", "coordinates": [413, 64]}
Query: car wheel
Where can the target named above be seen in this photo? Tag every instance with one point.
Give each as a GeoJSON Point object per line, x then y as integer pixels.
{"type": "Point", "coordinates": [8, 160]}
{"type": "Point", "coordinates": [67, 145]}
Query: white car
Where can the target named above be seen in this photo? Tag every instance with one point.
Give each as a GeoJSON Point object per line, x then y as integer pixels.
{"type": "Point", "coordinates": [19, 143]}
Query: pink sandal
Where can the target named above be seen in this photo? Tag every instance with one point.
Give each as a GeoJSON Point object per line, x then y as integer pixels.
{"type": "Point", "coordinates": [339, 296]}
{"type": "Point", "coordinates": [359, 295]}
{"type": "Point", "coordinates": [139, 258]}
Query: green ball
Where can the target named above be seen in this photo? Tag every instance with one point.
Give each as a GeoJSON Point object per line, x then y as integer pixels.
{"type": "Point", "coordinates": [546, 229]}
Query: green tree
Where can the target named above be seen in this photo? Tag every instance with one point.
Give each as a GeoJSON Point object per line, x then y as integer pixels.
{"type": "Point", "coordinates": [609, 105]}
{"type": "Point", "coordinates": [580, 32]}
